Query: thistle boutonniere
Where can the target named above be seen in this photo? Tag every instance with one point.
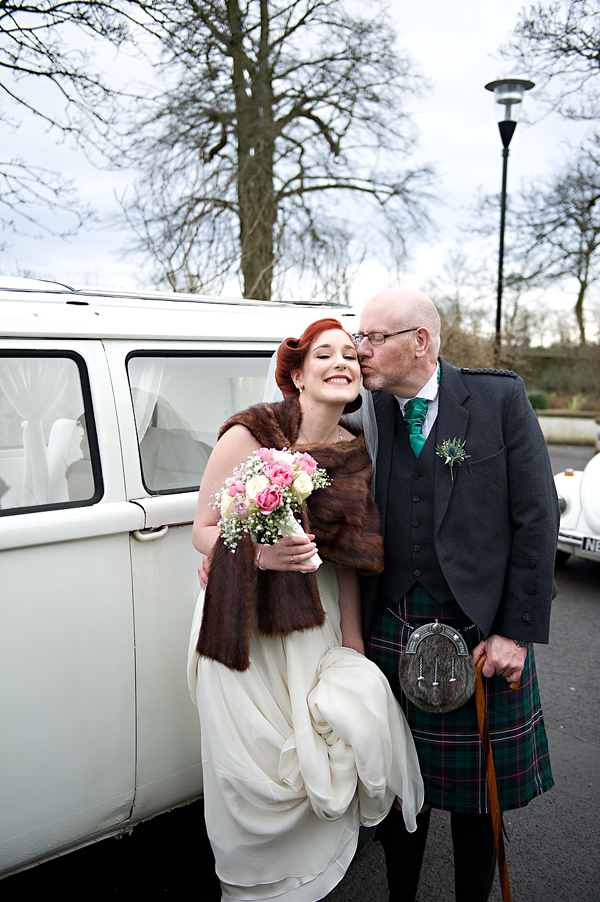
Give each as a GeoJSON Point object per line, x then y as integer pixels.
{"type": "Point", "coordinates": [452, 451]}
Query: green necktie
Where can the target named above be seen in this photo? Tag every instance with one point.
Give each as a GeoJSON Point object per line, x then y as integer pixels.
{"type": "Point", "coordinates": [415, 412]}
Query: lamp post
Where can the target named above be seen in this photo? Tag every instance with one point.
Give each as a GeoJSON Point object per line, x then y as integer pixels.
{"type": "Point", "coordinates": [509, 93]}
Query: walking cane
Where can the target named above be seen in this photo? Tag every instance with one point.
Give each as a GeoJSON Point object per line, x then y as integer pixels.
{"type": "Point", "coordinates": [490, 775]}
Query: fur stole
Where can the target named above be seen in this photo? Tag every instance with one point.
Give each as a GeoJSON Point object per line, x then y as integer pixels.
{"type": "Point", "coordinates": [343, 517]}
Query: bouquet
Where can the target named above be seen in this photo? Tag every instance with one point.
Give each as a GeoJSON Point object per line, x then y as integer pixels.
{"type": "Point", "coordinates": [264, 493]}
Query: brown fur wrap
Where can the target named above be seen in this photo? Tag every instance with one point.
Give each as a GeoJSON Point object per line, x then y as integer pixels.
{"type": "Point", "coordinates": [343, 517]}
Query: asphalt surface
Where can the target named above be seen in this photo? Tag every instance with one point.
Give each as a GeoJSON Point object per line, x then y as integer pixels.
{"type": "Point", "coordinates": [553, 850]}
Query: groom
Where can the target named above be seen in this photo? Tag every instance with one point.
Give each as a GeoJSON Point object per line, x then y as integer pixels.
{"type": "Point", "coordinates": [471, 544]}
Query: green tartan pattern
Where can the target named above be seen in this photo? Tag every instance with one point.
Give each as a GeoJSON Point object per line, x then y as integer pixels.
{"type": "Point", "coordinates": [448, 745]}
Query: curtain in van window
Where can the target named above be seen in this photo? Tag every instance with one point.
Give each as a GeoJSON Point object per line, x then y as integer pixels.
{"type": "Point", "coordinates": [180, 403]}
{"type": "Point", "coordinates": [34, 387]}
{"type": "Point", "coordinates": [145, 374]}
{"type": "Point", "coordinates": [271, 391]}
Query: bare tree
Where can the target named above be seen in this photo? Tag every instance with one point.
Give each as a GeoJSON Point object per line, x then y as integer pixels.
{"type": "Point", "coordinates": [558, 44]}
{"type": "Point", "coordinates": [463, 296]}
{"type": "Point", "coordinates": [556, 229]}
{"type": "Point", "coordinates": [281, 119]}
{"type": "Point", "coordinates": [43, 44]}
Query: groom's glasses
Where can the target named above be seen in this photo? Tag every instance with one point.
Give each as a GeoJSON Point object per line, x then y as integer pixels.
{"type": "Point", "coordinates": [378, 338]}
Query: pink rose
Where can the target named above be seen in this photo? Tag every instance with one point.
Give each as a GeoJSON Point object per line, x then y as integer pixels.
{"type": "Point", "coordinates": [269, 499]}
{"type": "Point", "coordinates": [265, 454]}
{"type": "Point", "coordinates": [279, 473]}
{"type": "Point", "coordinates": [305, 462]}
{"type": "Point", "coordinates": [241, 510]}
{"type": "Point", "coordinates": [237, 487]}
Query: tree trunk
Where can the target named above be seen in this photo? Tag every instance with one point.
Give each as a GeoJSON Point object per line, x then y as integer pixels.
{"type": "Point", "coordinates": [579, 311]}
{"type": "Point", "coordinates": [256, 148]}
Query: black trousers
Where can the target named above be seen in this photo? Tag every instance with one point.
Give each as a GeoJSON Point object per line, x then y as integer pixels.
{"type": "Point", "coordinates": [474, 855]}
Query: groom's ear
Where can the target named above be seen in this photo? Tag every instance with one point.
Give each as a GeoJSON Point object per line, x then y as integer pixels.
{"type": "Point", "coordinates": [422, 341]}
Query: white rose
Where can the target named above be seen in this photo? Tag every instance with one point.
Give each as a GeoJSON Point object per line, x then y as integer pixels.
{"type": "Point", "coordinates": [302, 486]}
{"type": "Point", "coordinates": [284, 456]}
{"type": "Point", "coordinates": [227, 505]}
{"type": "Point", "coordinates": [254, 485]}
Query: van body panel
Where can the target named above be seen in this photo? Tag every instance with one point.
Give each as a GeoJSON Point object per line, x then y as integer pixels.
{"type": "Point", "coordinates": [49, 527]}
{"type": "Point", "coordinates": [67, 744]}
{"type": "Point", "coordinates": [41, 844]}
{"type": "Point", "coordinates": [165, 589]}
{"type": "Point", "coordinates": [176, 509]}
{"type": "Point", "coordinates": [49, 315]}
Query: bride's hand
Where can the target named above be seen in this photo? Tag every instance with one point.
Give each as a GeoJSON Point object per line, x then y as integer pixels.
{"type": "Point", "coordinates": [289, 553]}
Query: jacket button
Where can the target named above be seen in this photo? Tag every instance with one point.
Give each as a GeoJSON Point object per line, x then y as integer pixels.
{"type": "Point", "coordinates": [532, 564]}
{"type": "Point", "coordinates": [416, 523]}
{"type": "Point", "coordinates": [417, 572]}
{"type": "Point", "coordinates": [530, 590]}
{"type": "Point", "coordinates": [527, 618]}
{"type": "Point", "coordinates": [416, 547]}
{"type": "Point", "coordinates": [416, 499]}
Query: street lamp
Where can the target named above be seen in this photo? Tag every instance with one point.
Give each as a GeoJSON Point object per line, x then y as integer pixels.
{"type": "Point", "coordinates": [508, 92]}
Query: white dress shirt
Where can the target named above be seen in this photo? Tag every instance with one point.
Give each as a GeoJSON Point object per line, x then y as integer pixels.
{"type": "Point", "coordinates": [431, 391]}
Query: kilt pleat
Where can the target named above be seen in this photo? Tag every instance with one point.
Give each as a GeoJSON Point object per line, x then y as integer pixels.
{"type": "Point", "coordinates": [449, 745]}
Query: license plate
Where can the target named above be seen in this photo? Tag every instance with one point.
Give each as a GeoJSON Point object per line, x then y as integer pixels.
{"type": "Point", "coordinates": [590, 545]}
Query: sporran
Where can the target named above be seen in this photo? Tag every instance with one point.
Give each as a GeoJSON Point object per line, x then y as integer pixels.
{"type": "Point", "coordinates": [436, 669]}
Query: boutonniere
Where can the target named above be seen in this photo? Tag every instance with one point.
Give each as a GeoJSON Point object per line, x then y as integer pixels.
{"type": "Point", "coordinates": [452, 451]}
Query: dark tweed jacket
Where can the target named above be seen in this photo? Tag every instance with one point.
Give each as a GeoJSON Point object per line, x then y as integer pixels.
{"type": "Point", "coordinates": [495, 526]}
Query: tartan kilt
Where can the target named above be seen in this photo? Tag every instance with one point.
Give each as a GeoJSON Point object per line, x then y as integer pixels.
{"type": "Point", "coordinates": [449, 745]}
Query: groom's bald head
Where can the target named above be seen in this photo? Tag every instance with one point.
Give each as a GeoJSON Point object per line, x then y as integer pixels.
{"type": "Point", "coordinates": [405, 362]}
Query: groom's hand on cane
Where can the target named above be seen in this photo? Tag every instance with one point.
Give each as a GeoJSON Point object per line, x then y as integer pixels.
{"type": "Point", "coordinates": [503, 658]}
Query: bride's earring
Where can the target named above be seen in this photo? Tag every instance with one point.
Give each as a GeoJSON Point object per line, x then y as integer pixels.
{"type": "Point", "coordinates": [299, 387]}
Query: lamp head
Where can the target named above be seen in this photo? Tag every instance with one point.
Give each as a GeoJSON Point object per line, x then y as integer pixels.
{"type": "Point", "coordinates": [509, 92]}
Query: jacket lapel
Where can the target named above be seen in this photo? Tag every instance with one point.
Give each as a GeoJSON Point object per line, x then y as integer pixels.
{"type": "Point", "coordinates": [452, 422]}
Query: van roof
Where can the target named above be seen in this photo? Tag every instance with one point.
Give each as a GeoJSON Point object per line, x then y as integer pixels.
{"type": "Point", "coordinates": [32, 307]}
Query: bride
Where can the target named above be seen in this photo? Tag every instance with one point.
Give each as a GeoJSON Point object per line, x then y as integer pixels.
{"type": "Point", "coordinates": [302, 739]}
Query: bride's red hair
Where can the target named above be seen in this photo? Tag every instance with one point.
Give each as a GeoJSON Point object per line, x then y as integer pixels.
{"type": "Point", "coordinates": [291, 354]}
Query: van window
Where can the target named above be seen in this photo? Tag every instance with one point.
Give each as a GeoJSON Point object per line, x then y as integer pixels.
{"type": "Point", "coordinates": [47, 434]}
{"type": "Point", "coordinates": [180, 403]}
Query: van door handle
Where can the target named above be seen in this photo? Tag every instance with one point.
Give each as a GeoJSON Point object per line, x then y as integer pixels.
{"type": "Point", "coordinates": [148, 535]}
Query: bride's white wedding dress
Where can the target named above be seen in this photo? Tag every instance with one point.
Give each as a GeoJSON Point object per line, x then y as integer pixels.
{"type": "Point", "coordinates": [297, 750]}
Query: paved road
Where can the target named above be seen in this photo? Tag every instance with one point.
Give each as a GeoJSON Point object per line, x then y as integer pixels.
{"type": "Point", "coordinates": [553, 848]}
{"type": "Point", "coordinates": [574, 456]}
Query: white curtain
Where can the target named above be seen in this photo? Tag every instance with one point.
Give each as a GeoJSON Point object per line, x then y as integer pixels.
{"type": "Point", "coordinates": [34, 387]}
{"type": "Point", "coordinates": [145, 378]}
{"type": "Point", "coordinates": [271, 391]}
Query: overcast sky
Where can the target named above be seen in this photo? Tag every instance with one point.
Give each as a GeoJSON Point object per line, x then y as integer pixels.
{"type": "Point", "coordinates": [455, 42]}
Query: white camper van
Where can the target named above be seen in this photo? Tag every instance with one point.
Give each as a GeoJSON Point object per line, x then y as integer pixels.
{"type": "Point", "coordinates": [110, 404]}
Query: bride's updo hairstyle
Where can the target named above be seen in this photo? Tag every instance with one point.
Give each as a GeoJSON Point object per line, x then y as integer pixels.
{"type": "Point", "coordinates": [291, 354]}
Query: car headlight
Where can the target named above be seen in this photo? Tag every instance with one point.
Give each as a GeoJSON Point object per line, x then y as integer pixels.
{"type": "Point", "coordinates": [562, 504]}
